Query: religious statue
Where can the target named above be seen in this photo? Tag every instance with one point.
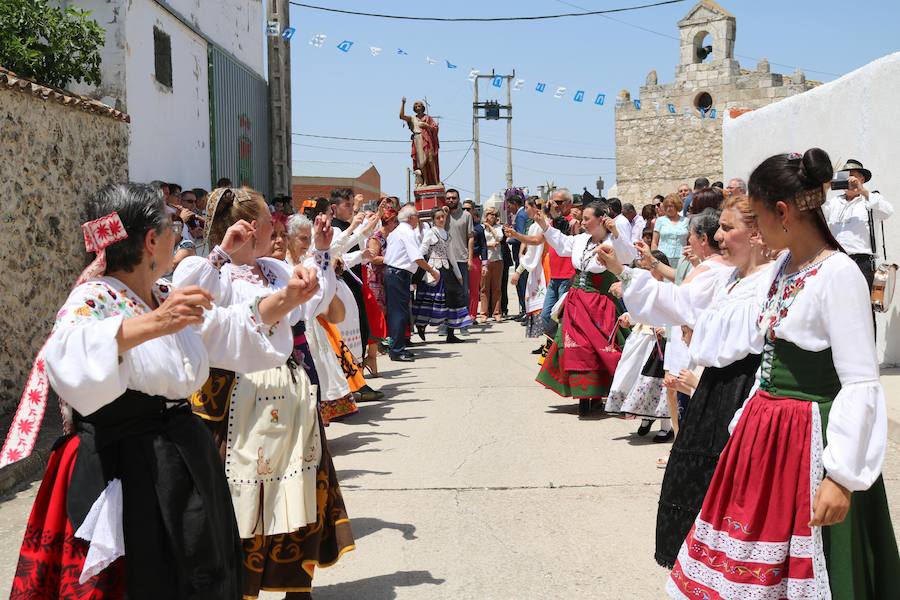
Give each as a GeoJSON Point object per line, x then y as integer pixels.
{"type": "Point", "coordinates": [424, 144]}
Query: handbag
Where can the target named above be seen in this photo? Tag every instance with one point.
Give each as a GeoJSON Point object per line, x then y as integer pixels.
{"type": "Point", "coordinates": [611, 354]}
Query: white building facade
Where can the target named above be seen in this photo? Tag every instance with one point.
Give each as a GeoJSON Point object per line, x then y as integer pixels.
{"type": "Point", "coordinates": [852, 117]}
{"type": "Point", "coordinates": [191, 75]}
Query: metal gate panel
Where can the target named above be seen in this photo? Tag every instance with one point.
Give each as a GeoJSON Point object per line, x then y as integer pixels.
{"type": "Point", "coordinates": [239, 123]}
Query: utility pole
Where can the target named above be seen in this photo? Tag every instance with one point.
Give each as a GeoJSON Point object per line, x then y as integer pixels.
{"type": "Point", "coordinates": [492, 110]}
{"type": "Point", "coordinates": [278, 11]}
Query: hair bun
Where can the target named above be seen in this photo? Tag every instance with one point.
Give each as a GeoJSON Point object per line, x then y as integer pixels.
{"type": "Point", "coordinates": [815, 168]}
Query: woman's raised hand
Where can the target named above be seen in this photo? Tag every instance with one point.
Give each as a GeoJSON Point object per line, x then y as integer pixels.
{"type": "Point", "coordinates": [323, 233]}
{"type": "Point", "coordinates": [303, 285]}
{"type": "Point", "coordinates": [237, 236]}
{"type": "Point", "coordinates": [182, 308]}
{"type": "Point", "coordinates": [645, 257]}
{"type": "Point", "coordinates": [606, 254]}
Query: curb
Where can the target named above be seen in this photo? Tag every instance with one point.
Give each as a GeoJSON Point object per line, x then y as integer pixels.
{"type": "Point", "coordinates": [14, 475]}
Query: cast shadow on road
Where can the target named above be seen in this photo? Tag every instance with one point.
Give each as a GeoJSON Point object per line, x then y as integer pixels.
{"type": "Point", "coordinates": [636, 440]}
{"type": "Point", "coordinates": [367, 526]}
{"type": "Point", "coordinates": [351, 442]}
{"type": "Point", "coordinates": [381, 587]}
{"type": "Point", "coordinates": [572, 409]}
{"type": "Point", "coordinates": [374, 415]}
{"type": "Point", "coordinates": [345, 474]}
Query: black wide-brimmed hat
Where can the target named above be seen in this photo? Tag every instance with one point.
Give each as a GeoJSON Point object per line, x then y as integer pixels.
{"type": "Point", "coordinates": [855, 165]}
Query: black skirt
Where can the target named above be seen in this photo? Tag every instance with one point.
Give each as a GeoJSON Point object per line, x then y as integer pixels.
{"type": "Point", "coordinates": [454, 294]}
{"type": "Point", "coordinates": [702, 435]}
{"type": "Point", "coordinates": [181, 537]}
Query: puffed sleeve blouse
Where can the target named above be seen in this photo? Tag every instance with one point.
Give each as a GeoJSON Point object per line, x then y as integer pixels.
{"type": "Point", "coordinates": [824, 306]}
{"type": "Point", "coordinates": [87, 370]}
{"type": "Point", "coordinates": [577, 246]}
{"type": "Point", "coordinates": [664, 304]}
{"type": "Point", "coordinates": [230, 284]}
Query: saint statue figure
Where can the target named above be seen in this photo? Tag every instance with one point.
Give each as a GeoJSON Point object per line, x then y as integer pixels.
{"type": "Point", "coordinates": [424, 144]}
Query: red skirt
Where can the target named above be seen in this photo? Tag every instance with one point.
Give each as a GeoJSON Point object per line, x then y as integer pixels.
{"type": "Point", "coordinates": [374, 311]}
{"type": "Point", "coordinates": [51, 558]}
{"type": "Point", "coordinates": [752, 538]}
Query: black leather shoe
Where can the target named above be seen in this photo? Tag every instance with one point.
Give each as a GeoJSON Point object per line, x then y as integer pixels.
{"type": "Point", "coordinates": [452, 339]}
{"type": "Point", "coordinates": [538, 350]}
{"type": "Point", "coordinates": [644, 429]}
{"type": "Point", "coordinates": [402, 357]}
{"type": "Point", "coordinates": [664, 436]}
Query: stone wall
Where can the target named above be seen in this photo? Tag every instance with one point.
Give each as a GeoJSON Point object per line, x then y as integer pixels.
{"type": "Point", "coordinates": [53, 155]}
{"type": "Point", "coordinates": [657, 150]}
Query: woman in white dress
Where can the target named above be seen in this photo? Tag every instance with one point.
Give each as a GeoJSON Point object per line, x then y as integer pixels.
{"type": "Point", "coordinates": [267, 424]}
{"type": "Point", "coordinates": [137, 475]}
{"type": "Point", "coordinates": [532, 263]}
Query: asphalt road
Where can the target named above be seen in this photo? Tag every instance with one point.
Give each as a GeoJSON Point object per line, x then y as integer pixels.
{"type": "Point", "coordinates": [471, 481]}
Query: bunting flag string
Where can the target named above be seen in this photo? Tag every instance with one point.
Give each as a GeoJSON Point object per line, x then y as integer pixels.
{"type": "Point", "coordinates": [540, 86]}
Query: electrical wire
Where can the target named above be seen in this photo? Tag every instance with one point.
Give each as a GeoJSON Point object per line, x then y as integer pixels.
{"type": "Point", "coordinates": [352, 139]}
{"type": "Point", "coordinates": [550, 153]}
{"type": "Point", "coordinates": [461, 160]}
{"type": "Point", "coordinates": [486, 19]}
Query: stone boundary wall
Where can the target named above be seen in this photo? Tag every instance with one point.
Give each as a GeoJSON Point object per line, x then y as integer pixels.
{"type": "Point", "coordinates": [53, 154]}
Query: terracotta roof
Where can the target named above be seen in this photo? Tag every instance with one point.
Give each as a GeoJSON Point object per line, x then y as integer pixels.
{"type": "Point", "coordinates": [10, 80]}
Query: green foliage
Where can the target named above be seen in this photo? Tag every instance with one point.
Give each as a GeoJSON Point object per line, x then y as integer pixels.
{"type": "Point", "coordinates": [51, 45]}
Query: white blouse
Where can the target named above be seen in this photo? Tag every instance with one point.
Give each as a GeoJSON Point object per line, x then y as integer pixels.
{"type": "Point", "coordinates": [237, 283]}
{"type": "Point", "coordinates": [664, 304]}
{"type": "Point", "coordinates": [581, 249]}
{"type": "Point", "coordinates": [88, 372]}
{"type": "Point", "coordinates": [832, 310]}
{"type": "Point", "coordinates": [725, 332]}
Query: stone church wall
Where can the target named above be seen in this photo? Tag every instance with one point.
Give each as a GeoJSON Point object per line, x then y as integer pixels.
{"type": "Point", "coordinates": [53, 154]}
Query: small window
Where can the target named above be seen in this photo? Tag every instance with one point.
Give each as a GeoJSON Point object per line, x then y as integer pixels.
{"type": "Point", "coordinates": [162, 56]}
{"type": "Point", "coordinates": [703, 101]}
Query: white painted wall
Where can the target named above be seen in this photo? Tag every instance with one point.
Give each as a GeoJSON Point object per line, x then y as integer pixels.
{"type": "Point", "coordinates": [237, 26]}
{"type": "Point", "coordinates": [110, 16]}
{"type": "Point", "coordinates": [855, 116]}
{"type": "Point", "coordinates": [169, 127]}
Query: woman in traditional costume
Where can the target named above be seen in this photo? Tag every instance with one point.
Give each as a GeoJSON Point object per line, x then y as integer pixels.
{"type": "Point", "coordinates": [134, 501]}
{"type": "Point", "coordinates": [334, 368]}
{"type": "Point", "coordinates": [531, 262]}
{"type": "Point", "coordinates": [720, 307]}
{"type": "Point", "coordinates": [637, 388]}
{"type": "Point", "coordinates": [574, 367]}
{"type": "Point", "coordinates": [796, 507]}
{"type": "Point", "coordinates": [440, 303]}
{"type": "Point", "coordinates": [286, 498]}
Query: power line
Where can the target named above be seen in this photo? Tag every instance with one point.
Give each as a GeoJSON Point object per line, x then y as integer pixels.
{"type": "Point", "coordinates": [363, 151]}
{"type": "Point", "coordinates": [461, 160]}
{"type": "Point", "coordinates": [352, 139]}
{"type": "Point", "coordinates": [486, 19]}
{"type": "Point", "coordinates": [355, 139]}
{"type": "Point", "coordinates": [551, 153]}
{"type": "Point", "coordinates": [672, 37]}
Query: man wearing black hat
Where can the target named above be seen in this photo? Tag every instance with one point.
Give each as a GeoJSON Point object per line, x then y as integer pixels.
{"type": "Point", "coordinates": [853, 215]}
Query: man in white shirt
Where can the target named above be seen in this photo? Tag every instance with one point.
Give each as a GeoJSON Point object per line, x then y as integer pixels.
{"type": "Point", "coordinates": [623, 224]}
{"type": "Point", "coordinates": [848, 217]}
{"type": "Point", "coordinates": [636, 221]}
{"type": "Point", "coordinates": [401, 258]}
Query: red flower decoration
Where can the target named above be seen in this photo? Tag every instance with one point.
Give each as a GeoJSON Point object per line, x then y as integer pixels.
{"type": "Point", "coordinates": [90, 303]}
{"type": "Point", "coordinates": [102, 231]}
{"type": "Point", "coordinates": [26, 427]}
{"type": "Point", "coordinates": [34, 395]}
{"type": "Point", "coordinates": [115, 227]}
{"type": "Point", "coordinates": [13, 455]}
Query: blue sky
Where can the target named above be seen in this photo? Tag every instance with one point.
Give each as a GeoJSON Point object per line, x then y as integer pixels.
{"type": "Point", "coordinates": [355, 94]}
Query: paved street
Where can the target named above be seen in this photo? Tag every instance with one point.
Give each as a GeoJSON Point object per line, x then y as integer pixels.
{"type": "Point", "coordinates": [472, 481]}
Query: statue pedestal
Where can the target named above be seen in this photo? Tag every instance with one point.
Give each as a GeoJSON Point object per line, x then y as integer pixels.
{"type": "Point", "coordinates": [429, 197]}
